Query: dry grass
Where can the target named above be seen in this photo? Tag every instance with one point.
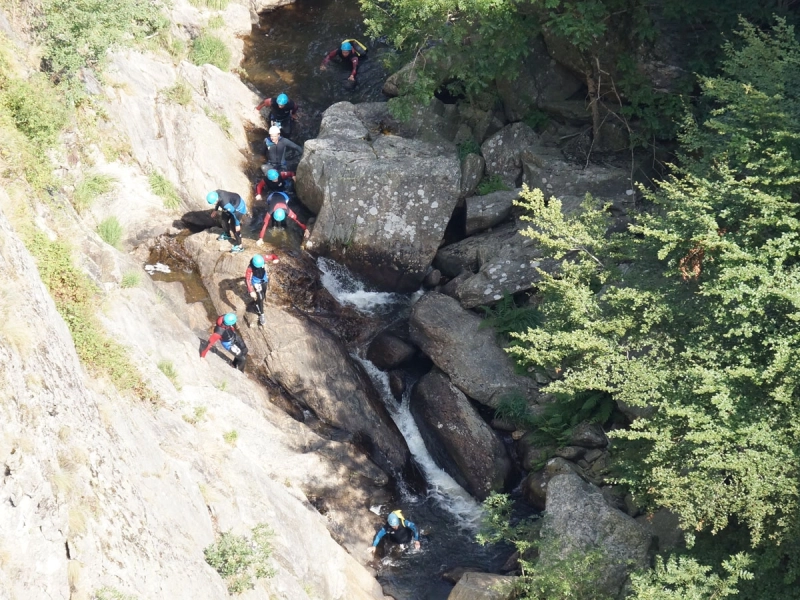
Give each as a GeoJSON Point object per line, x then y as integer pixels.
{"type": "Point", "coordinates": [14, 332]}
{"type": "Point", "coordinates": [77, 519]}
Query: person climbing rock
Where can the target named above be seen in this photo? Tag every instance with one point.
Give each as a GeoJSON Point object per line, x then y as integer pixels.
{"type": "Point", "coordinates": [398, 530]}
{"type": "Point", "coordinates": [274, 181]}
{"type": "Point", "coordinates": [225, 333]}
{"type": "Point", "coordinates": [231, 209]}
{"type": "Point", "coordinates": [277, 211]}
{"type": "Point", "coordinates": [257, 280]}
{"type": "Point", "coordinates": [277, 148]}
{"type": "Point", "coordinates": [348, 53]}
{"type": "Point", "coordinates": [282, 113]}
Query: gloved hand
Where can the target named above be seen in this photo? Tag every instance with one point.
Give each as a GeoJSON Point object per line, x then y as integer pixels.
{"type": "Point", "coordinates": [258, 196]}
{"type": "Point", "coordinates": [253, 295]}
{"type": "Point", "coordinates": [260, 242]}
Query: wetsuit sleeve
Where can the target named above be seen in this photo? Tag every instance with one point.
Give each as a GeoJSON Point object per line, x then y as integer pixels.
{"type": "Point", "coordinates": [260, 186]}
{"type": "Point", "coordinates": [295, 109]}
{"type": "Point", "coordinates": [264, 227]}
{"type": "Point", "coordinates": [266, 102]}
{"type": "Point", "coordinates": [354, 62]}
{"type": "Point", "coordinates": [330, 57]}
{"type": "Point", "coordinates": [293, 146]}
{"type": "Point", "coordinates": [215, 337]}
{"type": "Point", "coordinates": [271, 257]}
{"type": "Point", "coordinates": [413, 528]}
{"type": "Point", "coordinates": [248, 279]}
{"type": "Point", "coordinates": [379, 536]}
{"type": "Point", "coordinates": [287, 174]}
{"type": "Point", "coordinates": [293, 217]}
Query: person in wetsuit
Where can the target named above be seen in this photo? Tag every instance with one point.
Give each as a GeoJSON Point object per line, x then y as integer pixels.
{"type": "Point", "coordinates": [231, 210]}
{"type": "Point", "coordinates": [274, 181]}
{"type": "Point", "coordinates": [225, 333]}
{"type": "Point", "coordinates": [398, 530]}
{"type": "Point", "coordinates": [282, 113]}
{"type": "Point", "coordinates": [277, 211]}
{"type": "Point", "coordinates": [277, 147]}
{"type": "Point", "coordinates": [348, 53]}
{"type": "Point", "coordinates": [257, 280]}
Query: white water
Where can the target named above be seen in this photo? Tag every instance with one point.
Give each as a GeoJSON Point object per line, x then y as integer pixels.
{"type": "Point", "coordinates": [343, 286]}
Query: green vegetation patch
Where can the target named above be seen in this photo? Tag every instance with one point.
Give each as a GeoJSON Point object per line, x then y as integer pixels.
{"type": "Point", "coordinates": [212, 4]}
{"type": "Point", "coordinates": [240, 560]}
{"type": "Point", "coordinates": [180, 93]}
{"type": "Point", "coordinates": [489, 184]}
{"type": "Point", "coordinates": [90, 188]}
{"type": "Point", "coordinates": [161, 186]}
{"type": "Point", "coordinates": [209, 49]}
{"type": "Point", "coordinates": [110, 231]}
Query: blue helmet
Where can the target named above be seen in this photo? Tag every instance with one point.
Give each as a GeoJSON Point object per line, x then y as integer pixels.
{"type": "Point", "coordinates": [258, 261]}
{"type": "Point", "coordinates": [282, 100]}
{"type": "Point", "coordinates": [393, 520]}
{"type": "Point", "coordinates": [347, 46]}
{"type": "Point", "coordinates": [273, 175]}
{"type": "Point", "coordinates": [279, 214]}
{"type": "Point", "coordinates": [229, 319]}
{"type": "Point", "coordinates": [212, 197]}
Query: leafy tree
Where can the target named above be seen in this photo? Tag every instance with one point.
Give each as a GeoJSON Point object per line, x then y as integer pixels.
{"type": "Point", "coordinates": [694, 313]}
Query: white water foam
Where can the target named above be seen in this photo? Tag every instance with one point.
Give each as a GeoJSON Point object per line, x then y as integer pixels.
{"type": "Point", "coordinates": [348, 289]}
{"type": "Point", "coordinates": [442, 488]}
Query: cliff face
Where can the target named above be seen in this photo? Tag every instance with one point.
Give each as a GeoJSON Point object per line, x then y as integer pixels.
{"type": "Point", "coordinates": [100, 491]}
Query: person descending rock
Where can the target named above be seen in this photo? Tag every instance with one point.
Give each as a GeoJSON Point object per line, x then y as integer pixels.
{"type": "Point", "coordinates": [277, 147]}
{"type": "Point", "coordinates": [257, 280]}
{"type": "Point", "coordinates": [274, 181]}
{"type": "Point", "coordinates": [282, 114]}
{"type": "Point", "coordinates": [231, 209]}
{"type": "Point", "coordinates": [398, 530]}
{"type": "Point", "coordinates": [277, 211]}
{"type": "Point", "coordinates": [349, 53]}
{"type": "Point", "coordinates": [225, 332]}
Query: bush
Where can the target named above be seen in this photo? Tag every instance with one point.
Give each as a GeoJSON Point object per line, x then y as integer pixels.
{"type": "Point", "coordinates": [89, 189]}
{"type": "Point", "coordinates": [110, 231]}
{"type": "Point", "coordinates": [161, 186]}
{"type": "Point", "coordinates": [239, 560]}
{"type": "Point", "coordinates": [489, 184]}
{"type": "Point", "coordinates": [209, 49]}
{"type": "Point", "coordinates": [34, 109]}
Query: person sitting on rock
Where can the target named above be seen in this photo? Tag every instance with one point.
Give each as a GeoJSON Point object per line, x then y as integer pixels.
{"type": "Point", "coordinates": [277, 211]}
{"type": "Point", "coordinates": [274, 181]}
{"type": "Point", "coordinates": [348, 53]}
{"type": "Point", "coordinates": [398, 530]}
{"type": "Point", "coordinates": [277, 147]}
{"type": "Point", "coordinates": [282, 114]}
{"type": "Point", "coordinates": [231, 210]}
{"type": "Point", "coordinates": [225, 332]}
{"type": "Point", "coordinates": [257, 280]}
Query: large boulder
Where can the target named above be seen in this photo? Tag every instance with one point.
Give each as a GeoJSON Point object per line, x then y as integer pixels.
{"type": "Point", "coordinates": [489, 210]}
{"type": "Point", "coordinates": [471, 173]}
{"type": "Point", "coordinates": [383, 200]}
{"type": "Point", "coordinates": [303, 357]}
{"type": "Point", "coordinates": [579, 520]}
{"type": "Point", "coordinates": [503, 151]}
{"type": "Point", "coordinates": [454, 339]}
{"type": "Point", "coordinates": [541, 79]}
{"type": "Point", "coordinates": [460, 441]}
{"type": "Point", "coordinates": [469, 254]}
{"type": "Point", "coordinates": [483, 586]}
{"type": "Point", "coordinates": [388, 351]}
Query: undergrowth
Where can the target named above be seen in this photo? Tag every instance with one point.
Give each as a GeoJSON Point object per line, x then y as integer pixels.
{"type": "Point", "coordinates": [110, 231]}
{"type": "Point", "coordinates": [489, 184]}
{"type": "Point", "coordinates": [209, 49]}
{"type": "Point", "coordinates": [468, 147]}
{"type": "Point", "coordinates": [90, 188]}
{"type": "Point", "coordinates": [162, 187]}
{"type": "Point", "coordinates": [239, 560]}
{"type": "Point", "coordinates": [131, 279]}
{"type": "Point", "coordinates": [179, 93]}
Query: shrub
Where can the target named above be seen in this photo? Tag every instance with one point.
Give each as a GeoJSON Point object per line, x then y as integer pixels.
{"type": "Point", "coordinates": [161, 186]}
{"type": "Point", "coordinates": [209, 49]}
{"type": "Point", "coordinates": [489, 184]}
{"type": "Point", "coordinates": [34, 109]}
{"type": "Point", "coordinates": [239, 560]}
{"type": "Point", "coordinates": [468, 147]}
{"type": "Point", "coordinates": [130, 279]}
{"type": "Point", "coordinates": [180, 93]}
{"type": "Point", "coordinates": [89, 189]}
{"type": "Point", "coordinates": [110, 231]}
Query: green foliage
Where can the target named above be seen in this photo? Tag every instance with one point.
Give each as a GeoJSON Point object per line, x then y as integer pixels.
{"type": "Point", "coordinates": [167, 367]}
{"type": "Point", "coordinates": [694, 314]}
{"type": "Point", "coordinates": [110, 231]}
{"type": "Point", "coordinates": [109, 593]}
{"type": "Point", "coordinates": [216, 22]}
{"type": "Point", "coordinates": [89, 188]}
{"type": "Point", "coordinates": [212, 4]}
{"type": "Point", "coordinates": [209, 49]}
{"type": "Point", "coordinates": [536, 119]}
{"type": "Point", "coordinates": [75, 298]}
{"type": "Point", "coordinates": [220, 119]}
{"type": "Point", "coordinates": [506, 317]}
{"type": "Point", "coordinates": [180, 93]}
{"type": "Point", "coordinates": [131, 279]}
{"type": "Point", "coordinates": [682, 578]}
{"type": "Point", "coordinates": [239, 560]}
{"type": "Point", "coordinates": [489, 184]}
{"type": "Point", "coordinates": [231, 437]}
{"type": "Point", "coordinates": [34, 109]}
{"type": "Point", "coordinates": [77, 33]}
{"type": "Point", "coordinates": [468, 147]}
{"type": "Point", "coordinates": [161, 186]}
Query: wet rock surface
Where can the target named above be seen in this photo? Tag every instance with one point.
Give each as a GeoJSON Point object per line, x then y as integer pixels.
{"type": "Point", "coordinates": [483, 586]}
{"type": "Point", "coordinates": [458, 438]}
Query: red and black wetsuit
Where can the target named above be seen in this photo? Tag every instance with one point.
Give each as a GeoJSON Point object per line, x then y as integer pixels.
{"type": "Point", "coordinates": [281, 114]}
{"type": "Point", "coordinates": [257, 281]}
{"type": "Point", "coordinates": [284, 184]}
{"type": "Point", "coordinates": [231, 341]}
{"type": "Point", "coordinates": [351, 58]}
{"type": "Point", "coordinates": [289, 213]}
